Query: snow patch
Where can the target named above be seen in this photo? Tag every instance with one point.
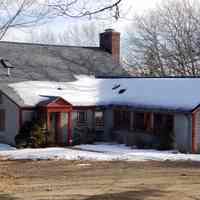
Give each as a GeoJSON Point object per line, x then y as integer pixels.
{"type": "Point", "coordinates": [96, 152]}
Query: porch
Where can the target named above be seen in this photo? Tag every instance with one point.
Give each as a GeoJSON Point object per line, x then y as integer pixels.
{"type": "Point", "coordinates": [125, 126]}
{"type": "Point", "coordinates": [143, 129]}
{"type": "Point", "coordinates": [56, 116]}
{"type": "Point", "coordinates": [82, 125]}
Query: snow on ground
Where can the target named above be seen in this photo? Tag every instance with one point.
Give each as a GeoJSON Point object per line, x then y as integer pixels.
{"type": "Point", "coordinates": [55, 153]}
{"type": "Point", "coordinates": [98, 152]}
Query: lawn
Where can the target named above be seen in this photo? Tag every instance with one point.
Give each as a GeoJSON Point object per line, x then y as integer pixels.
{"type": "Point", "coordinates": [91, 180]}
{"type": "Point", "coordinates": [97, 172]}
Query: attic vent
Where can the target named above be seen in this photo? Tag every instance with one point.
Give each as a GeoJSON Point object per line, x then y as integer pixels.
{"type": "Point", "coordinates": [6, 64]}
{"type": "Point", "coordinates": [59, 88]}
{"type": "Point", "coordinates": [116, 87]}
{"type": "Point", "coordinates": [122, 91]}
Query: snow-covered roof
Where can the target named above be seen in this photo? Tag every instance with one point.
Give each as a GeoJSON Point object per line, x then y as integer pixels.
{"type": "Point", "coordinates": [159, 93]}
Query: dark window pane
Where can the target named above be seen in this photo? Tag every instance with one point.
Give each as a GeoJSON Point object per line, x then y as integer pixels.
{"type": "Point", "coordinates": [82, 116]}
{"type": "Point", "coordinates": [139, 121]}
{"type": "Point", "coordinates": [122, 119]}
{"type": "Point", "coordinates": [163, 122]}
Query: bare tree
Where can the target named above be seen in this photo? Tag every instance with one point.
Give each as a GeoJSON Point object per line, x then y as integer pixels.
{"type": "Point", "coordinates": [85, 8]}
{"type": "Point", "coordinates": [23, 13]}
{"type": "Point", "coordinates": [166, 41]}
{"type": "Point", "coordinates": [20, 13]}
{"type": "Point", "coordinates": [86, 34]}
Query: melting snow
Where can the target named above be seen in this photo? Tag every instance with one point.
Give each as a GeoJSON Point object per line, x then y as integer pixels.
{"type": "Point", "coordinates": [170, 93]}
{"type": "Point", "coordinates": [98, 152]}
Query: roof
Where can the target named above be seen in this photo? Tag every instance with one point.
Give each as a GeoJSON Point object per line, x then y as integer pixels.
{"type": "Point", "coordinates": [54, 62]}
{"type": "Point", "coordinates": [52, 101]}
{"type": "Point", "coordinates": [169, 94]}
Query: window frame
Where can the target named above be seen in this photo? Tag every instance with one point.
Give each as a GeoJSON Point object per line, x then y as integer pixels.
{"type": "Point", "coordinates": [139, 126]}
{"type": "Point", "coordinates": [81, 116]}
{"type": "Point", "coordinates": [122, 119]}
{"type": "Point", "coordinates": [99, 121]}
{"type": "Point", "coordinates": [146, 122]}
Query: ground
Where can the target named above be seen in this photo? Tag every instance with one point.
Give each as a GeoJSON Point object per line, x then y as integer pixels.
{"type": "Point", "coordinates": [91, 180]}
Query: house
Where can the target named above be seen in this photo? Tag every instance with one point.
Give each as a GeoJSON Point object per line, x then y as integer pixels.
{"type": "Point", "coordinates": [41, 62]}
{"type": "Point", "coordinates": [115, 109]}
{"type": "Point", "coordinates": [58, 85]}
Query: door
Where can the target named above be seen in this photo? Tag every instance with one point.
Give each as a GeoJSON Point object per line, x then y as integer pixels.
{"type": "Point", "coordinates": [52, 129]}
{"type": "Point", "coordinates": [56, 129]}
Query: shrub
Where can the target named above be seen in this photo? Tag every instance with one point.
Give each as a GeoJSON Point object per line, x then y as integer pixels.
{"type": "Point", "coordinates": [32, 134]}
{"type": "Point", "coordinates": [166, 140]}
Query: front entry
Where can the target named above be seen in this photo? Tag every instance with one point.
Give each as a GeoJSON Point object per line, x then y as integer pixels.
{"type": "Point", "coordinates": [57, 114]}
{"type": "Point", "coordinates": [58, 129]}
{"type": "Point", "coordinates": [54, 136]}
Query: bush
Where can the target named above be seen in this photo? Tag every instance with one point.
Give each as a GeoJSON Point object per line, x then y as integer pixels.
{"type": "Point", "coordinates": [32, 134]}
{"type": "Point", "coordinates": [166, 140]}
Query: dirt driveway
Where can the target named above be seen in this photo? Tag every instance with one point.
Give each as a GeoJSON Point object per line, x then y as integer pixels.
{"type": "Point", "coordinates": [99, 180]}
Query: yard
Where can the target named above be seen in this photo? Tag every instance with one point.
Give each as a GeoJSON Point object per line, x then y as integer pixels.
{"type": "Point", "coordinates": [97, 172]}
{"type": "Point", "coordinates": [92, 180]}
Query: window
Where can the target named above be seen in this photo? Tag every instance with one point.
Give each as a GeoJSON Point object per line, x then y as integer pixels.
{"type": "Point", "coordinates": [163, 122]}
{"type": "Point", "coordinates": [122, 119]}
{"type": "Point", "coordinates": [99, 121]}
{"type": "Point", "coordinates": [142, 121]}
{"type": "Point", "coordinates": [81, 116]}
{"type": "Point", "coordinates": [158, 122]}
{"type": "Point", "coordinates": [139, 121]}
{"type": "Point", "coordinates": [98, 115]}
{"type": "Point", "coordinates": [2, 120]}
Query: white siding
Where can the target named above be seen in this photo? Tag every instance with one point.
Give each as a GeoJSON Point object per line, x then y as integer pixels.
{"type": "Point", "coordinates": [183, 132]}
{"type": "Point", "coordinates": [197, 130]}
{"type": "Point", "coordinates": [11, 121]}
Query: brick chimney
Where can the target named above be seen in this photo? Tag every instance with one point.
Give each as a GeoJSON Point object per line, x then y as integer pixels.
{"type": "Point", "coordinates": [110, 42]}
